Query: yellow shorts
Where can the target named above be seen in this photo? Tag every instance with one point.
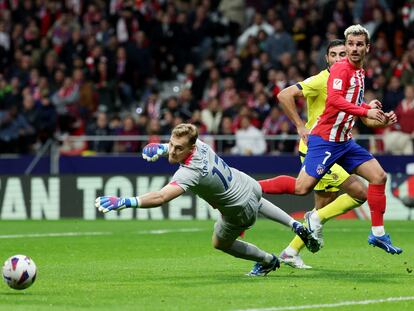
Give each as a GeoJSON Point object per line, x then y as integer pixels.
{"type": "Point", "coordinates": [331, 181]}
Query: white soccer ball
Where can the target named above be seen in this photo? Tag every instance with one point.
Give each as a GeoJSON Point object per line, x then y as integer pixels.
{"type": "Point", "coordinates": [19, 271]}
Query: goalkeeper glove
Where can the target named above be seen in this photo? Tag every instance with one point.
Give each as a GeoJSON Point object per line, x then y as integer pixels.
{"type": "Point", "coordinates": [151, 152]}
{"type": "Point", "coordinates": [106, 204]}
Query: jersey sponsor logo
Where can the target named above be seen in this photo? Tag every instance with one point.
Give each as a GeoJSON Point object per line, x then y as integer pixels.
{"type": "Point", "coordinates": [337, 84]}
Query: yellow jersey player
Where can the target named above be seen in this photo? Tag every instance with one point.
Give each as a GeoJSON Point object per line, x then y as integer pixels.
{"type": "Point", "coordinates": [327, 202]}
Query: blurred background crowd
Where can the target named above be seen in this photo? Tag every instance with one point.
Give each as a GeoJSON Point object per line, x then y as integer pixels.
{"type": "Point", "coordinates": [80, 67]}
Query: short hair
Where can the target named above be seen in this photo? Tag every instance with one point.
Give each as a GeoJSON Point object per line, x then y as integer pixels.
{"type": "Point", "coordinates": [186, 129]}
{"type": "Point", "coordinates": [357, 30]}
{"type": "Point", "coordinates": [333, 43]}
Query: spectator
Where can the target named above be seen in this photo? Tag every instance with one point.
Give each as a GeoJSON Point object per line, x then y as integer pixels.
{"type": "Point", "coordinates": [226, 128]}
{"type": "Point", "coordinates": [285, 144]}
{"type": "Point", "coordinates": [100, 128]}
{"type": "Point", "coordinates": [117, 58]}
{"type": "Point", "coordinates": [47, 119]}
{"type": "Point", "coordinates": [128, 129]}
{"type": "Point", "coordinates": [278, 43]}
{"type": "Point", "coordinates": [212, 115]}
{"type": "Point", "coordinates": [249, 140]}
{"type": "Point", "coordinates": [400, 141]}
{"type": "Point", "coordinates": [66, 103]}
{"type": "Point", "coordinates": [16, 134]}
{"type": "Point", "coordinates": [258, 24]}
{"type": "Point", "coordinates": [154, 131]}
{"type": "Point", "coordinates": [393, 95]}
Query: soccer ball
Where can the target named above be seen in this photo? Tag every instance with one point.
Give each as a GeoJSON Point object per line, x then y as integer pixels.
{"type": "Point", "coordinates": [19, 271]}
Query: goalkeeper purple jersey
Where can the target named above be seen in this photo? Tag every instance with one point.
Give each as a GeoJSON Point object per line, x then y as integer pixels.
{"type": "Point", "coordinates": [208, 176]}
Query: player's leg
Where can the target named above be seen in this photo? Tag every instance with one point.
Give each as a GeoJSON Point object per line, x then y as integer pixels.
{"type": "Point", "coordinates": [355, 194]}
{"type": "Point", "coordinates": [320, 157]}
{"type": "Point", "coordinates": [284, 184]}
{"type": "Point", "coordinates": [369, 168]}
{"type": "Point", "coordinates": [323, 198]}
{"type": "Point", "coordinates": [271, 211]}
{"type": "Point", "coordinates": [290, 255]}
{"type": "Point", "coordinates": [372, 171]}
{"type": "Point", "coordinates": [328, 205]}
{"type": "Point", "coordinates": [228, 228]}
{"type": "Point", "coordinates": [225, 239]}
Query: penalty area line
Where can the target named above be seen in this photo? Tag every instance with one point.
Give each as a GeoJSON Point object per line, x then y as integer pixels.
{"type": "Point", "coordinates": [333, 305]}
{"type": "Point", "coordinates": [52, 235]}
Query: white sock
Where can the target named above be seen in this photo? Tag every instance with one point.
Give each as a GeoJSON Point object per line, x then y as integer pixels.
{"type": "Point", "coordinates": [378, 230]}
{"type": "Point", "coordinates": [291, 251]}
{"type": "Point", "coordinates": [315, 217]}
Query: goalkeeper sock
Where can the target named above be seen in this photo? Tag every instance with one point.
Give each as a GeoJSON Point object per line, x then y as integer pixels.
{"type": "Point", "coordinates": [275, 213]}
{"type": "Point", "coordinates": [279, 185]}
{"type": "Point", "coordinates": [245, 250]}
{"type": "Point", "coordinates": [339, 206]}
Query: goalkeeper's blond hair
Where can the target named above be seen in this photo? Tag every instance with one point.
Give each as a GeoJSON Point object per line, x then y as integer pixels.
{"type": "Point", "coordinates": [186, 129]}
{"type": "Point", "coordinates": [357, 30]}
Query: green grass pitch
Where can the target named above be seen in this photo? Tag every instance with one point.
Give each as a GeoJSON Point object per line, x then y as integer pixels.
{"type": "Point", "coordinates": [171, 265]}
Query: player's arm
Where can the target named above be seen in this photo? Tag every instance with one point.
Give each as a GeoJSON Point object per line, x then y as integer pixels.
{"type": "Point", "coordinates": [169, 192]}
{"type": "Point", "coordinates": [158, 198]}
{"type": "Point", "coordinates": [390, 119]}
{"type": "Point", "coordinates": [286, 99]}
{"type": "Point", "coordinates": [337, 83]}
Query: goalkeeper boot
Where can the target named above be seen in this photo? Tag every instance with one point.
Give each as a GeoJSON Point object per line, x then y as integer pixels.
{"type": "Point", "coordinates": [307, 236]}
{"type": "Point", "coordinates": [384, 242]}
{"type": "Point", "coordinates": [294, 261]}
{"type": "Point", "coordinates": [261, 270]}
{"type": "Point", "coordinates": [315, 226]}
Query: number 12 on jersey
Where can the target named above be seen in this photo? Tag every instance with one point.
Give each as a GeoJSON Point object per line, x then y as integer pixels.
{"type": "Point", "coordinates": [221, 171]}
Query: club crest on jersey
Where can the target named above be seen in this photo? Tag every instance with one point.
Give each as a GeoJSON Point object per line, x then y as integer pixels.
{"type": "Point", "coordinates": [337, 84]}
{"type": "Point", "coordinates": [320, 169]}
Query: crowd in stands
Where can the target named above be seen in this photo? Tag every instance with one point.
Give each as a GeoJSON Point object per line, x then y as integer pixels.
{"type": "Point", "coordinates": [80, 67]}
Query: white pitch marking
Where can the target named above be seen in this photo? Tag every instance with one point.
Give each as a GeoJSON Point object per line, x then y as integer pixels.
{"type": "Point", "coordinates": [164, 231]}
{"type": "Point", "coordinates": [46, 235]}
{"type": "Point", "coordinates": [333, 305]}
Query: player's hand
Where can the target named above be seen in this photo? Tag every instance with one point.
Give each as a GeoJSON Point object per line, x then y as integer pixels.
{"type": "Point", "coordinates": [151, 152]}
{"type": "Point", "coordinates": [391, 118]}
{"type": "Point", "coordinates": [303, 134]}
{"type": "Point", "coordinates": [106, 204]}
{"type": "Point", "coordinates": [376, 114]}
{"type": "Point", "coordinates": [375, 104]}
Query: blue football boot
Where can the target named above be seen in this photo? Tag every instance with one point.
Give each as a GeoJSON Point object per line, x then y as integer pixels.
{"type": "Point", "coordinates": [384, 242]}
{"type": "Point", "coordinates": [261, 270]}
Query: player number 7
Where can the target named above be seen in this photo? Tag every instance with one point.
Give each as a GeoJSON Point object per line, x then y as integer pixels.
{"type": "Point", "coordinates": [328, 155]}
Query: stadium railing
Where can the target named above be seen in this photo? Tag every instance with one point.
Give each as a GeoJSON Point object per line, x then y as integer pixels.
{"type": "Point", "coordinates": [52, 147]}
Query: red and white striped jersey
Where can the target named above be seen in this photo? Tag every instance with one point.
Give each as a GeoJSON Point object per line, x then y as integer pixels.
{"type": "Point", "coordinates": [345, 97]}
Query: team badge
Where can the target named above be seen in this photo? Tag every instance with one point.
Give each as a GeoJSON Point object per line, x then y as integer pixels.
{"type": "Point", "coordinates": [320, 169]}
{"type": "Point", "coordinates": [337, 84]}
